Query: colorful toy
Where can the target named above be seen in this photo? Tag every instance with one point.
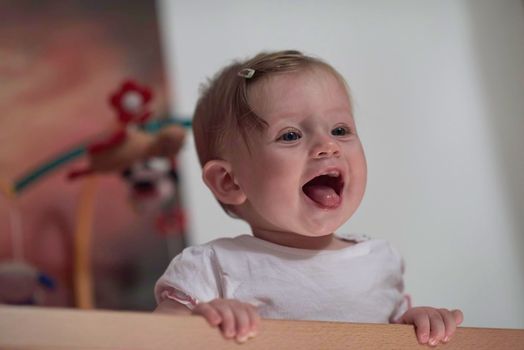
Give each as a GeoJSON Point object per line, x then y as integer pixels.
{"type": "Point", "coordinates": [134, 141]}
{"type": "Point", "coordinates": [153, 190]}
{"type": "Point", "coordinates": [22, 284]}
{"type": "Point", "coordinates": [128, 143]}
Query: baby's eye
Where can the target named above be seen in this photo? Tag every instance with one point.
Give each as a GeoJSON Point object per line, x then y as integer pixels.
{"type": "Point", "coordinates": [340, 131]}
{"type": "Point", "coordinates": [290, 136]}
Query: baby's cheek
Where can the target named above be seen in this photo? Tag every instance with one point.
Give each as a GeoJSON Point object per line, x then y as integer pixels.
{"type": "Point", "coordinates": [275, 199]}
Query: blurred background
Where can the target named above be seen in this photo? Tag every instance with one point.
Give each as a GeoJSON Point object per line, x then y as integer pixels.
{"type": "Point", "coordinates": [60, 61]}
{"type": "Point", "coordinates": [438, 91]}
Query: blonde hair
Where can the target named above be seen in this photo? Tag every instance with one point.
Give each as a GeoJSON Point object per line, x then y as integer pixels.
{"type": "Point", "coordinates": [223, 113]}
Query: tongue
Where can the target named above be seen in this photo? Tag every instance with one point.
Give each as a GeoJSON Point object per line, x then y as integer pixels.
{"type": "Point", "coordinates": [323, 195]}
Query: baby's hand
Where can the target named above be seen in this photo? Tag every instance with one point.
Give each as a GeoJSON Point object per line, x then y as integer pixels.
{"type": "Point", "coordinates": [432, 325]}
{"type": "Point", "coordinates": [236, 319]}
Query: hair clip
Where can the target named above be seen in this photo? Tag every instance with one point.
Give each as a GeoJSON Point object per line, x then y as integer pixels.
{"type": "Point", "coordinates": [246, 73]}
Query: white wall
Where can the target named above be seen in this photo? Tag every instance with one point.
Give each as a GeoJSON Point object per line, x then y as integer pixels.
{"type": "Point", "coordinates": [439, 93]}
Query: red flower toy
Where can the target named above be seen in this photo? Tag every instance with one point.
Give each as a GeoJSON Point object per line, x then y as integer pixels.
{"type": "Point", "coordinates": [131, 102]}
{"type": "Point", "coordinates": [128, 144]}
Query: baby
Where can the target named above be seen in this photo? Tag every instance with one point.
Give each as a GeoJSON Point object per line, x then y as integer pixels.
{"type": "Point", "coordinates": [279, 149]}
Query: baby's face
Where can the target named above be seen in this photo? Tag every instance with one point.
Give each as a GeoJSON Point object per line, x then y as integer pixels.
{"type": "Point", "coordinates": [306, 173]}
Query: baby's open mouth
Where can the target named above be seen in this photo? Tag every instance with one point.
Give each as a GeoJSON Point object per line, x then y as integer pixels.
{"type": "Point", "coordinates": [325, 189]}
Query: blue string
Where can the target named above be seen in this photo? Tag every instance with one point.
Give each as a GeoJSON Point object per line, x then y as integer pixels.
{"type": "Point", "coordinates": [40, 171]}
{"type": "Point", "coordinates": [33, 175]}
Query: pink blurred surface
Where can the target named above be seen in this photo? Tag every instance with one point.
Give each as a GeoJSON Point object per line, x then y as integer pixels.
{"type": "Point", "coordinates": [59, 61]}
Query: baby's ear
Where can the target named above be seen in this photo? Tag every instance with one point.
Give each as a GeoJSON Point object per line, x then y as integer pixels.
{"type": "Point", "coordinates": [218, 176]}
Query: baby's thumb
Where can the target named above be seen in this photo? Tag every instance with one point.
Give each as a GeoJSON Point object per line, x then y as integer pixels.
{"type": "Point", "coordinates": [459, 317]}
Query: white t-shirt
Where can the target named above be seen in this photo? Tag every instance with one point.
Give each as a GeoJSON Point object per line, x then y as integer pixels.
{"type": "Point", "coordinates": [360, 283]}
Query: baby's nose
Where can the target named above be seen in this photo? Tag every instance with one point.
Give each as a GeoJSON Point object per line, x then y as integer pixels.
{"type": "Point", "coordinates": [325, 149]}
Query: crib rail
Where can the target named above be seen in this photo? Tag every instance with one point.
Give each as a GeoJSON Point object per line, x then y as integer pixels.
{"type": "Point", "coordinates": [32, 328]}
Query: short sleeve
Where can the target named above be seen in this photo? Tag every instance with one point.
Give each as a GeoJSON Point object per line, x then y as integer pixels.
{"type": "Point", "coordinates": [404, 300]}
{"type": "Point", "coordinates": [190, 278]}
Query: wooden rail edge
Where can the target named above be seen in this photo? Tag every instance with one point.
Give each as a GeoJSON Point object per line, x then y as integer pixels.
{"type": "Point", "coordinates": [33, 328]}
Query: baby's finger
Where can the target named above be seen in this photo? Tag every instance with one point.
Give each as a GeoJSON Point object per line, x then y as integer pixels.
{"type": "Point", "coordinates": [227, 325]}
{"type": "Point", "coordinates": [449, 324]}
{"type": "Point", "coordinates": [459, 316]}
{"type": "Point", "coordinates": [243, 323]}
{"type": "Point", "coordinates": [422, 327]}
{"type": "Point", "coordinates": [438, 328]}
{"type": "Point", "coordinates": [255, 320]}
{"type": "Point", "coordinates": [209, 313]}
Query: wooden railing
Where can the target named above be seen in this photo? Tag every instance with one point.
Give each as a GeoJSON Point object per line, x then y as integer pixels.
{"type": "Point", "coordinates": [31, 328]}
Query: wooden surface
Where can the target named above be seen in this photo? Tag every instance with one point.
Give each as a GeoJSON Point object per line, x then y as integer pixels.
{"type": "Point", "coordinates": [32, 328]}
